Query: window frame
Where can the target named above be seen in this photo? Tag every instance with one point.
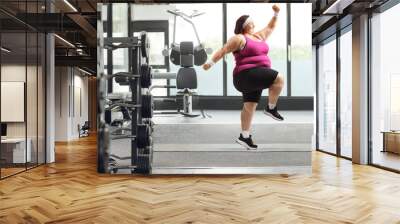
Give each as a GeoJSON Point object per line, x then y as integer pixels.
{"type": "Point", "coordinates": [381, 9]}
{"type": "Point", "coordinates": [336, 36]}
{"type": "Point", "coordinates": [41, 52]}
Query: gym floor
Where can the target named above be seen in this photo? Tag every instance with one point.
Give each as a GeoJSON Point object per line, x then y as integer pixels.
{"type": "Point", "coordinates": [71, 191]}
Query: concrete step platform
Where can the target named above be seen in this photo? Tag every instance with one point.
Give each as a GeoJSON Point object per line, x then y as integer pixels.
{"type": "Point", "coordinates": [201, 145]}
{"type": "Point", "coordinates": [230, 159]}
{"type": "Point", "coordinates": [201, 133]}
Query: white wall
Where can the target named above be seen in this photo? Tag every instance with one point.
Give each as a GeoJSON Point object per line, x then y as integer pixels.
{"type": "Point", "coordinates": [79, 117]}
{"type": "Point", "coordinates": [33, 105]}
{"type": "Point", "coordinates": [70, 83]}
{"type": "Point", "coordinates": [61, 103]}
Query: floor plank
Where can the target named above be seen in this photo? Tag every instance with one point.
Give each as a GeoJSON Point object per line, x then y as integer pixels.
{"type": "Point", "coordinates": [70, 191]}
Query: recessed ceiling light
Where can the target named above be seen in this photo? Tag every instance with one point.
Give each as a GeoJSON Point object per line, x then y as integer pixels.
{"type": "Point", "coordinates": [70, 5]}
{"type": "Point", "coordinates": [337, 7]}
{"type": "Point", "coordinates": [84, 71]}
{"type": "Point", "coordinates": [65, 41]}
{"type": "Point", "coordinates": [5, 50]}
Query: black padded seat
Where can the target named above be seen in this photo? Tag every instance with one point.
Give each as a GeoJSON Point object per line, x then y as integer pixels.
{"type": "Point", "coordinates": [186, 78]}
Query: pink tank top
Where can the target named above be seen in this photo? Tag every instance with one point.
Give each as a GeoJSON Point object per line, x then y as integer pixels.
{"type": "Point", "coordinates": [254, 54]}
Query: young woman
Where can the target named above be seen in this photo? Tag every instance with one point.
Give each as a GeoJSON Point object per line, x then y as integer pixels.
{"type": "Point", "coordinates": [252, 73]}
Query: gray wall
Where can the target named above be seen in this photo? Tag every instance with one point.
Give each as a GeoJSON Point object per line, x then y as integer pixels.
{"type": "Point", "coordinates": [71, 102]}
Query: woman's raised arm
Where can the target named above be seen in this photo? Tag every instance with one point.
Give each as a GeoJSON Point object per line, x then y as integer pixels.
{"type": "Point", "coordinates": [266, 31]}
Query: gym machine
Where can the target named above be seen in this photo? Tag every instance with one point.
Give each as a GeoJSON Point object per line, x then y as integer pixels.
{"type": "Point", "coordinates": [137, 110]}
{"type": "Point", "coordinates": [185, 55]}
{"type": "Point", "coordinates": [199, 53]}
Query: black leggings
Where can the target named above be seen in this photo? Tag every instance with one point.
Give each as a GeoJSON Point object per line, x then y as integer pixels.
{"type": "Point", "coordinates": [251, 82]}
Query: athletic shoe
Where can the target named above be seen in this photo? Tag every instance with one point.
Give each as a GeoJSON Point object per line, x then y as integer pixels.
{"type": "Point", "coordinates": [246, 142]}
{"type": "Point", "coordinates": [273, 113]}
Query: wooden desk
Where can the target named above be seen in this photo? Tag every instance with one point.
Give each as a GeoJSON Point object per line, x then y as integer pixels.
{"type": "Point", "coordinates": [13, 150]}
{"type": "Point", "coordinates": [391, 141]}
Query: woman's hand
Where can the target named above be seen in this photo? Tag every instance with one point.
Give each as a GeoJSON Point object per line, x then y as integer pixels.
{"type": "Point", "coordinates": [276, 8]}
{"type": "Point", "coordinates": [206, 66]}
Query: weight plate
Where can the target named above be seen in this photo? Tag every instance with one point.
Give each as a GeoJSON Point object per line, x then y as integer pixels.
{"type": "Point", "coordinates": [143, 136]}
{"type": "Point", "coordinates": [146, 76]}
{"type": "Point", "coordinates": [145, 45]}
{"type": "Point", "coordinates": [147, 106]}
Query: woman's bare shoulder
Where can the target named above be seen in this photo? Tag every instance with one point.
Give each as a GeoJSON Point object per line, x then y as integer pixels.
{"type": "Point", "coordinates": [239, 36]}
{"type": "Point", "coordinates": [235, 42]}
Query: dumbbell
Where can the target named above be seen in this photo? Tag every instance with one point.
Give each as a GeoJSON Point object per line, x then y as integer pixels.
{"type": "Point", "coordinates": [123, 78]}
{"type": "Point", "coordinates": [143, 136]}
{"type": "Point", "coordinates": [147, 106]}
{"type": "Point", "coordinates": [146, 76]}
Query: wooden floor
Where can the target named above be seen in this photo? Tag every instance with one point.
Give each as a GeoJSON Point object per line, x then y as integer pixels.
{"type": "Point", "coordinates": [70, 191]}
{"type": "Point", "coordinates": [9, 171]}
{"type": "Point", "coordinates": [387, 159]}
{"type": "Point", "coordinates": [5, 172]}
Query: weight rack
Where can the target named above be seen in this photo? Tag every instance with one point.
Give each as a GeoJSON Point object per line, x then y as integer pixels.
{"type": "Point", "coordinates": [137, 77]}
